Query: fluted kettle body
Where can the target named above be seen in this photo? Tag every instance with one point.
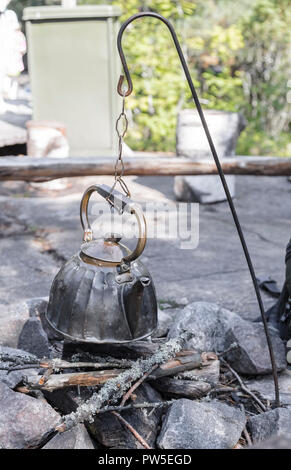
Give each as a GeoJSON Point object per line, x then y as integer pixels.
{"type": "Point", "coordinates": [104, 293]}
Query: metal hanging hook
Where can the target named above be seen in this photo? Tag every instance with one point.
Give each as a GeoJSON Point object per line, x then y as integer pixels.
{"type": "Point", "coordinates": [122, 92]}
{"type": "Point", "coordinates": [120, 83]}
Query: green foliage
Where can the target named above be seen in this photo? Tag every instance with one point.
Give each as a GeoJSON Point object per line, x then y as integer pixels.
{"type": "Point", "coordinates": [238, 53]}
{"type": "Point", "coordinates": [265, 63]}
{"type": "Point", "coordinates": [160, 89]}
{"type": "Point", "coordinates": [220, 83]}
{"type": "Point", "coordinates": [159, 85]}
{"type": "Point", "coordinates": [255, 141]}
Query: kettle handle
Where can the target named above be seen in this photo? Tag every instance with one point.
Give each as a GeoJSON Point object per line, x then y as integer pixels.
{"type": "Point", "coordinates": [122, 204]}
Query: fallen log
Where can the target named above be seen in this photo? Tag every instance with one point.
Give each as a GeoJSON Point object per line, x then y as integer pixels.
{"type": "Point", "coordinates": [45, 169]}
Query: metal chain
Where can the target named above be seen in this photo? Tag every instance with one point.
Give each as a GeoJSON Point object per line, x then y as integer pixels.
{"type": "Point", "coordinates": [121, 128]}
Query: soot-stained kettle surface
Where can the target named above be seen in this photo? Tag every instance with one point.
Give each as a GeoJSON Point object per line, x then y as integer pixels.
{"type": "Point", "coordinates": [104, 293]}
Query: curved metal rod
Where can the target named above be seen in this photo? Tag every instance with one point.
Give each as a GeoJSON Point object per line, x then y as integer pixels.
{"type": "Point", "coordinates": [217, 162]}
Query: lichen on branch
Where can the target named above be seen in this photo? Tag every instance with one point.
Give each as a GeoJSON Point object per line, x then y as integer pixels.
{"type": "Point", "coordinates": [114, 388]}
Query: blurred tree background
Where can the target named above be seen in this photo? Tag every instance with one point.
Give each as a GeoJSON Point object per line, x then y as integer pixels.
{"type": "Point", "coordinates": [19, 5]}
{"type": "Point", "coordinates": [238, 53]}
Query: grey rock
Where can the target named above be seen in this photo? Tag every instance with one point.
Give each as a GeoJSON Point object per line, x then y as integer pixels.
{"type": "Point", "coordinates": [76, 438]}
{"type": "Point", "coordinates": [110, 432]}
{"type": "Point", "coordinates": [27, 271]}
{"type": "Point", "coordinates": [14, 315]}
{"type": "Point", "coordinates": [270, 424]}
{"type": "Point", "coordinates": [9, 225]}
{"type": "Point", "coordinates": [216, 329]}
{"type": "Point", "coordinates": [208, 322]}
{"type": "Point", "coordinates": [203, 189]}
{"type": "Point", "coordinates": [37, 306]}
{"type": "Point", "coordinates": [16, 377]}
{"type": "Point", "coordinates": [201, 425]}
{"type": "Point", "coordinates": [3, 375]}
{"type": "Point", "coordinates": [277, 442]}
{"type": "Point", "coordinates": [224, 127]}
{"type": "Point", "coordinates": [23, 420]}
{"type": "Point", "coordinates": [12, 319]}
{"type": "Point", "coordinates": [265, 387]}
{"type": "Point", "coordinates": [165, 319]}
{"type": "Point", "coordinates": [16, 356]}
{"type": "Point", "coordinates": [33, 338]}
{"type": "Point", "coordinates": [252, 357]}
{"type": "Point", "coordinates": [12, 357]}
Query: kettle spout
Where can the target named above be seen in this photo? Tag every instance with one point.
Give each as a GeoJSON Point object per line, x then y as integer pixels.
{"type": "Point", "coordinates": [139, 305]}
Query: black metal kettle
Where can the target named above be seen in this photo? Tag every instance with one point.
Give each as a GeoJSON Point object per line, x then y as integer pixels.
{"type": "Point", "coordinates": [104, 294]}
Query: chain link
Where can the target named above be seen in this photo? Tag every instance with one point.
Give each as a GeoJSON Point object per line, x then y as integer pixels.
{"type": "Point", "coordinates": [121, 128]}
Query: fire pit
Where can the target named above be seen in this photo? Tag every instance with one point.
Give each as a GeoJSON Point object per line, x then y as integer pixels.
{"type": "Point", "coordinates": [157, 392]}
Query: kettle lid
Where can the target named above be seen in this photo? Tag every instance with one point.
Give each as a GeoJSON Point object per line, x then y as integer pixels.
{"type": "Point", "coordinates": [103, 251]}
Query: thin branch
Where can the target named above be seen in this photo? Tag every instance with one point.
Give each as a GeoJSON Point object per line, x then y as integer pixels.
{"type": "Point", "coordinates": [23, 367]}
{"type": "Point", "coordinates": [244, 387]}
{"type": "Point", "coordinates": [248, 437]}
{"type": "Point", "coordinates": [132, 430]}
{"type": "Point", "coordinates": [45, 376]}
{"type": "Point", "coordinates": [11, 363]}
{"type": "Point", "coordinates": [107, 409]}
{"type": "Point", "coordinates": [223, 390]}
{"type": "Point", "coordinates": [137, 384]}
{"type": "Point", "coordinates": [112, 363]}
{"type": "Point", "coordinates": [154, 405]}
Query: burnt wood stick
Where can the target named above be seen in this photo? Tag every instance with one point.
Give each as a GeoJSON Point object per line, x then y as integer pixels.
{"type": "Point", "coordinates": [181, 388]}
{"type": "Point", "coordinates": [61, 364]}
{"type": "Point", "coordinates": [45, 169]}
{"type": "Point", "coordinates": [125, 352]}
{"type": "Point", "coordinates": [83, 379]}
{"type": "Point", "coordinates": [6, 362]}
{"type": "Point", "coordinates": [188, 361]}
{"type": "Point", "coordinates": [180, 363]}
{"type": "Point", "coordinates": [116, 387]}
